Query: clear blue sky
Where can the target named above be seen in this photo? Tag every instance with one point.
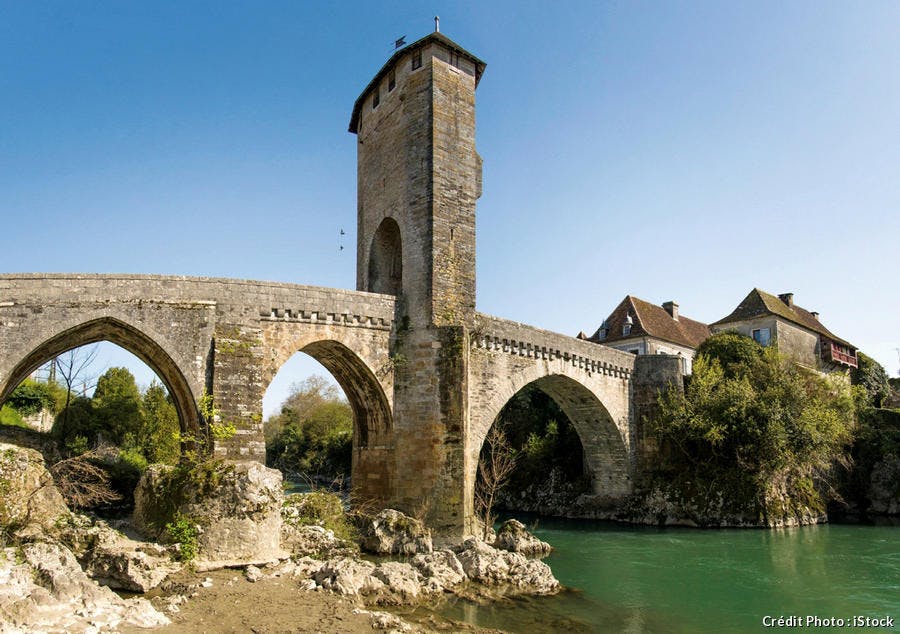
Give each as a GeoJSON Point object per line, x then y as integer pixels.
{"type": "Point", "coordinates": [685, 151]}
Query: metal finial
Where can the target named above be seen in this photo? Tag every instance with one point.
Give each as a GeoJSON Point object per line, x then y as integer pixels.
{"type": "Point", "coordinates": [437, 24]}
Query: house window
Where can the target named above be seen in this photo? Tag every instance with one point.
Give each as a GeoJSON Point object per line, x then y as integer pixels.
{"type": "Point", "coordinates": [392, 81]}
{"type": "Point", "coordinates": [761, 336]}
{"type": "Point", "coordinates": [417, 59]}
{"type": "Point", "coordinates": [635, 351]}
{"type": "Point", "coordinates": [376, 98]}
{"type": "Point", "coordinates": [626, 329]}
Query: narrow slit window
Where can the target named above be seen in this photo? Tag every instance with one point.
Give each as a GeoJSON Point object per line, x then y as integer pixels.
{"type": "Point", "coordinates": [392, 81]}
{"type": "Point", "coordinates": [417, 59]}
{"type": "Point", "coordinates": [376, 97]}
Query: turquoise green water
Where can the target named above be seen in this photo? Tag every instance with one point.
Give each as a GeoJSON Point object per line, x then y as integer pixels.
{"type": "Point", "coordinates": [642, 579]}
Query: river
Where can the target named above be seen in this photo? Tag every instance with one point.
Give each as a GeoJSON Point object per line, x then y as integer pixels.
{"type": "Point", "coordinates": [645, 579]}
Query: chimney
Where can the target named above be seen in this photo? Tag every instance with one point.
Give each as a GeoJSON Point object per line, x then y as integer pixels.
{"type": "Point", "coordinates": [787, 298]}
{"type": "Point", "coordinates": [815, 315]}
{"type": "Point", "coordinates": [672, 309]}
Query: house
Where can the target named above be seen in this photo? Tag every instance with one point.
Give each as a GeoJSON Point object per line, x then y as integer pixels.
{"type": "Point", "coordinates": [798, 332]}
{"type": "Point", "coordinates": [640, 327]}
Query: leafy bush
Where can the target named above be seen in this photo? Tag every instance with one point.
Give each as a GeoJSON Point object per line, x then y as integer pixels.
{"type": "Point", "coordinates": [750, 419]}
{"type": "Point", "coordinates": [11, 416]}
{"type": "Point", "coordinates": [182, 530]}
{"type": "Point", "coordinates": [31, 396]}
{"type": "Point", "coordinates": [871, 376]}
{"type": "Point", "coordinates": [319, 508]}
{"type": "Point", "coordinates": [313, 434]}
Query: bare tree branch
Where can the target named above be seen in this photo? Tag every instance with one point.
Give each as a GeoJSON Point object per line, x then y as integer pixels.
{"type": "Point", "coordinates": [494, 470]}
{"type": "Point", "coordinates": [81, 482]}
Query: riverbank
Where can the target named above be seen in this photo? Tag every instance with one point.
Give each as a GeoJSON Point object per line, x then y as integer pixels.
{"type": "Point", "coordinates": [227, 602]}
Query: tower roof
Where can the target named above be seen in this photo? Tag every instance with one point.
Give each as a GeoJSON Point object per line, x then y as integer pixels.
{"type": "Point", "coordinates": [437, 36]}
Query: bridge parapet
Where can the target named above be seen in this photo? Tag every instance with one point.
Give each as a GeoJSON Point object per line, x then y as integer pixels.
{"type": "Point", "coordinates": [246, 300]}
{"type": "Point", "coordinates": [517, 339]}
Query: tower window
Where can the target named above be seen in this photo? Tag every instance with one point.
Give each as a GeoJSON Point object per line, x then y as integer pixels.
{"type": "Point", "coordinates": [392, 81]}
{"type": "Point", "coordinates": [376, 98]}
{"type": "Point", "coordinates": [417, 59]}
{"type": "Point", "coordinates": [454, 59]}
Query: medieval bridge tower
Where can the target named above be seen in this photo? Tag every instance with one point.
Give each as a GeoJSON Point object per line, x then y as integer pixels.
{"type": "Point", "coordinates": [418, 179]}
{"type": "Point", "coordinates": [425, 374]}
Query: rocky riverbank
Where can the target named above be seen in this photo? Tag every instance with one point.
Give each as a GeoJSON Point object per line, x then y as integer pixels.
{"type": "Point", "coordinates": [58, 567]}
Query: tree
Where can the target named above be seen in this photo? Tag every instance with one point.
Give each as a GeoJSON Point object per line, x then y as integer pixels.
{"type": "Point", "coordinates": [871, 376]}
{"type": "Point", "coordinates": [158, 436]}
{"type": "Point", "coordinates": [313, 434]}
{"type": "Point", "coordinates": [117, 407]}
{"type": "Point", "coordinates": [72, 368]}
{"type": "Point", "coordinates": [495, 466]}
{"type": "Point", "coordinates": [754, 420]}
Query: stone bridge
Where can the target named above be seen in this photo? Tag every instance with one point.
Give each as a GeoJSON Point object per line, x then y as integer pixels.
{"type": "Point", "coordinates": [425, 374]}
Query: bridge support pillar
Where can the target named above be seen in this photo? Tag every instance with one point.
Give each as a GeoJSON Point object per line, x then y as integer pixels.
{"type": "Point", "coordinates": [237, 388]}
{"type": "Point", "coordinates": [652, 375]}
{"type": "Point", "coordinates": [430, 404]}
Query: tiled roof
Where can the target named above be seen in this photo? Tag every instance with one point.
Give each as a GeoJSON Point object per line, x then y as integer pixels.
{"type": "Point", "coordinates": [759, 303]}
{"type": "Point", "coordinates": [652, 321]}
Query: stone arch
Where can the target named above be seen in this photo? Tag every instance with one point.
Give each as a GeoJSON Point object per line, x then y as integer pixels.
{"type": "Point", "coordinates": [127, 336]}
{"type": "Point", "coordinates": [386, 259]}
{"type": "Point", "coordinates": [372, 418]}
{"type": "Point", "coordinates": [605, 448]}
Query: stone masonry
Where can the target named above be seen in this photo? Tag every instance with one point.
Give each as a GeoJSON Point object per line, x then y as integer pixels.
{"type": "Point", "coordinates": [426, 376]}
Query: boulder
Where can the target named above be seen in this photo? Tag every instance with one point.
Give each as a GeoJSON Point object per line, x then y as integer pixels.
{"type": "Point", "coordinates": [441, 570]}
{"type": "Point", "coordinates": [390, 532]}
{"type": "Point", "coordinates": [314, 541]}
{"type": "Point", "coordinates": [351, 577]}
{"type": "Point", "coordinates": [514, 537]}
{"type": "Point", "coordinates": [235, 507]}
{"type": "Point", "coordinates": [493, 567]}
{"type": "Point", "coordinates": [28, 498]}
{"type": "Point", "coordinates": [402, 582]}
{"type": "Point", "coordinates": [115, 560]}
{"type": "Point", "coordinates": [43, 589]}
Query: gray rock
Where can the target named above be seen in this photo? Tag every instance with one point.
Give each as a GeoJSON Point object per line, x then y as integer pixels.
{"type": "Point", "coordinates": [351, 577]}
{"type": "Point", "coordinates": [493, 567]}
{"type": "Point", "coordinates": [238, 519]}
{"type": "Point", "coordinates": [313, 540]}
{"type": "Point", "coordinates": [402, 582]}
{"type": "Point", "coordinates": [115, 560]}
{"type": "Point", "coordinates": [513, 537]}
{"type": "Point", "coordinates": [390, 532]}
{"type": "Point", "coordinates": [30, 499]}
{"type": "Point", "coordinates": [253, 574]}
{"type": "Point", "coordinates": [440, 569]}
{"type": "Point", "coordinates": [42, 589]}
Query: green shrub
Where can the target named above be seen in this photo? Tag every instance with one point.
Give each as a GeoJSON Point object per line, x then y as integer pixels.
{"type": "Point", "coordinates": [751, 421]}
{"type": "Point", "coordinates": [182, 530]}
{"type": "Point", "coordinates": [11, 416]}
{"type": "Point", "coordinates": [319, 508]}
